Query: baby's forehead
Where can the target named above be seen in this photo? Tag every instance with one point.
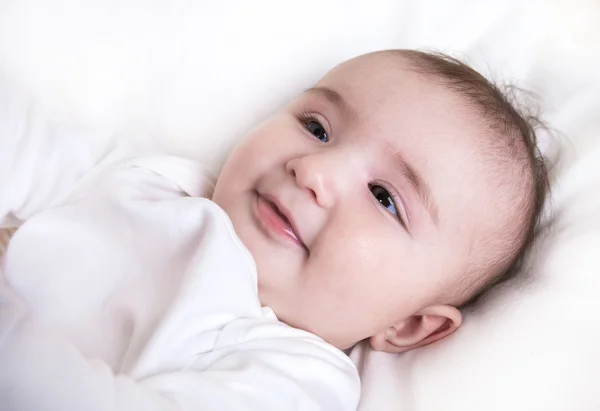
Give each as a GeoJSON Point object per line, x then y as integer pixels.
{"type": "Point", "coordinates": [382, 88]}
{"type": "Point", "coordinates": [411, 112]}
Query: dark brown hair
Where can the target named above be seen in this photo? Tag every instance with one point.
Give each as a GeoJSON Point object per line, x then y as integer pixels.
{"type": "Point", "coordinates": [518, 125]}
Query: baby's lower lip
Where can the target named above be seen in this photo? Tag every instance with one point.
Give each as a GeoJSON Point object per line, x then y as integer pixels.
{"type": "Point", "coordinates": [273, 223]}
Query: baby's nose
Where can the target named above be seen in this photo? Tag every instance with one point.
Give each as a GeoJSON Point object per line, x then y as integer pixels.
{"type": "Point", "coordinates": [320, 176]}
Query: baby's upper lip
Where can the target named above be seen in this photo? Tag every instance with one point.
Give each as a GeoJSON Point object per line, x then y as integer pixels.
{"type": "Point", "coordinates": [286, 213]}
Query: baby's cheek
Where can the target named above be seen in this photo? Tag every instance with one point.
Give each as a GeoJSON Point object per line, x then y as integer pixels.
{"type": "Point", "coordinates": [354, 264]}
{"type": "Point", "coordinates": [268, 147]}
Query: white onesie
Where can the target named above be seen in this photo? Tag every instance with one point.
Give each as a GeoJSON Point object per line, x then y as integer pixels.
{"type": "Point", "coordinates": [124, 289]}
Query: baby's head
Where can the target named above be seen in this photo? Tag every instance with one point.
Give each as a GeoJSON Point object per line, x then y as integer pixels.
{"type": "Point", "coordinates": [383, 199]}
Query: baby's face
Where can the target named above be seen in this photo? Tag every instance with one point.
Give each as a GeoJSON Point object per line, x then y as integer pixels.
{"type": "Point", "coordinates": [360, 200]}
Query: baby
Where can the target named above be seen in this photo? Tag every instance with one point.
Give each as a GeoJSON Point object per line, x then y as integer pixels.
{"type": "Point", "coordinates": [373, 207]}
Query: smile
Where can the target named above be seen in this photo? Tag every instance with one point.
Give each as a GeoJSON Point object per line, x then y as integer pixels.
{"type": "Point", "coordinates": [276, 221]}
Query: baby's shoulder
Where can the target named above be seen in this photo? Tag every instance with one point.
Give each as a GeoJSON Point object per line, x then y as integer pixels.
{"type": "Point", "coordinates": [286, 360]}
{"type": "Point", "coordinates": [191, 176]}
{"type": "Point", "coordinates": [148, 178]}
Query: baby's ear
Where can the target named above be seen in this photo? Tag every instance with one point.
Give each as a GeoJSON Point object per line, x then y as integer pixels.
{"type": "Point", "coordinates": [426, 326]}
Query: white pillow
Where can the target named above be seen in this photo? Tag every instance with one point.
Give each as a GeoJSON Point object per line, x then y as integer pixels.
{"type": "Point", "coordinates": [195, 76]}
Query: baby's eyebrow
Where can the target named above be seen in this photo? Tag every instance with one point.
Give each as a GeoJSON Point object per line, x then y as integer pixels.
{"type": "Point", "coordinates": [419, 184]}
{"type": "Point", "coordinates": [332, 97]}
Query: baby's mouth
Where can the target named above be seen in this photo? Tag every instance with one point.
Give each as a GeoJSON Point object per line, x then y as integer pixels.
{"type": "Point", "coordinates": [277, 220]}
{"type": "Point", "coordinates": [280, 214]}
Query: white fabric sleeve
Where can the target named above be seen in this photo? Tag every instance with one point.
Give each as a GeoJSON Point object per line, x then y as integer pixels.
{"type": "Point", "coordinates": [42, 371]}
{"type": "Point", "coordinates": [40, 160]}
{"type": "Point", "coordinates": [30, 354]}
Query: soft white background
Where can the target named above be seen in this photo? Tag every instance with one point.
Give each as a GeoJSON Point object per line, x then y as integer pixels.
{"type": "Point", "coordinates": [194, 76]}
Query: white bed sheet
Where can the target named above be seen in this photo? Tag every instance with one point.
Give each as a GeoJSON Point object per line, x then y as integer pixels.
{"type": "Point", "coordinates": [193, 76]}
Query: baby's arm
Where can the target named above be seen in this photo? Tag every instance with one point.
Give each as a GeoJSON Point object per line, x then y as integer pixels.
{"type": "Point", "coordinates": [42, 371]}
{"type": "Point", "coordinates": [40, 160]}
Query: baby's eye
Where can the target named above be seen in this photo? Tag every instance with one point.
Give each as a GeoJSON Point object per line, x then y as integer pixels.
{"type": "Point", "coordinates": [314, 126]}
{"type": "Point", "coordinates": [317, 130]}
{"type": "Point", "coordinates": [384, 198]}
